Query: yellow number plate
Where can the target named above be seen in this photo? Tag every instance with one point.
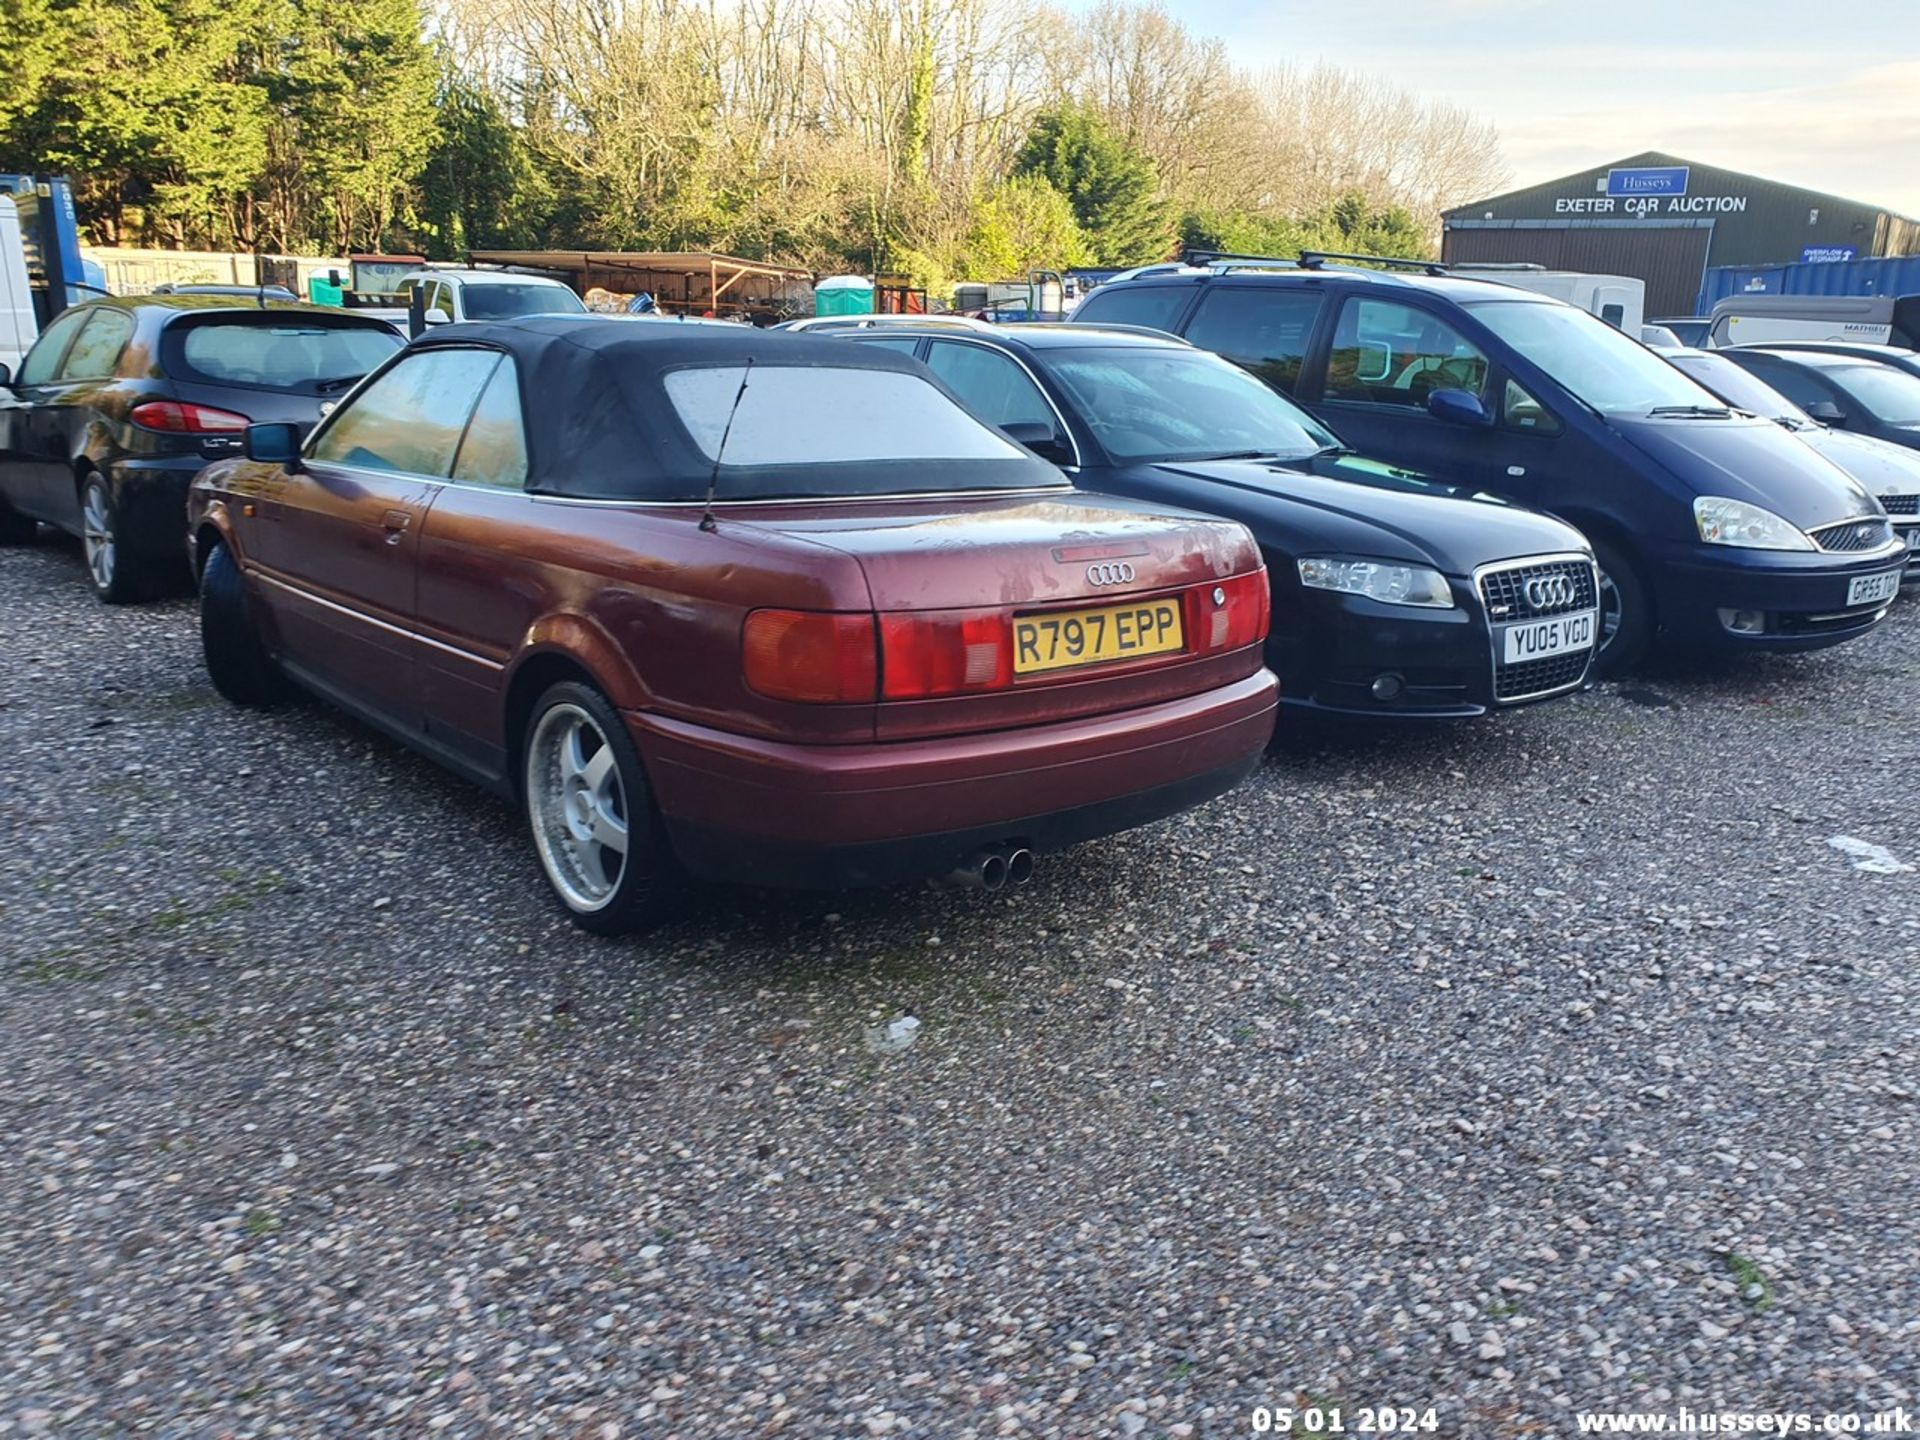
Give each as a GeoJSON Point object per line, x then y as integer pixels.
{"type": "Point", "coordinates": [1087, 637]}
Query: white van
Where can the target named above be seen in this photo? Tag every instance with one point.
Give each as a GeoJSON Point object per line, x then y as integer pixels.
{"type": "Point", "coordinates": [18, 328]}
{"type": "Point", "coordinates": [1620, 300]}
{"type": "Point", "coordinates": [1761, 319]}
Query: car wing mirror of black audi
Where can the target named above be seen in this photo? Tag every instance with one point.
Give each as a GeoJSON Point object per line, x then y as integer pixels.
{"type": "Point", "coordinates": [1041, 438]}
{"type": "Point", "coordinates": [1461, 407]}
{"type": "Point", "coordinates": [275, 444]}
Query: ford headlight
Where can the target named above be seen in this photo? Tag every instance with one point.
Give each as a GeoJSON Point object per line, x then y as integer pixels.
{"type": "Point", "coordinates": [1734, 522]}
{"type": "Point", "coordinates": [1377, 580]}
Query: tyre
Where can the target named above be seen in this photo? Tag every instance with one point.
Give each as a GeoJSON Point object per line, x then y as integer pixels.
{"type": "Point", "coordinates": [118, 578]}
{"type": "Point", "coordinates": [1626, 613]}
{"type": "Point", "coordinates": [238, 663]}
{"type": "Point", "coordinates": [595, 828]}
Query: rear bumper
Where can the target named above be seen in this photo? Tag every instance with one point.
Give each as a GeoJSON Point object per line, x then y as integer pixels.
{"type": "Point", "coordinates": [770, 813]}
{"type": "Point", "coordinates": [151, 496]}
{"type": "Point", "coordinates": [1802, 597]}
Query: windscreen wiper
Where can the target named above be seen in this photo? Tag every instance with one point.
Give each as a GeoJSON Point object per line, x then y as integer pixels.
{"type": "Point", "coordinates": [337, 382]}
{"type": "Point", "coordinates": [1701, 412]}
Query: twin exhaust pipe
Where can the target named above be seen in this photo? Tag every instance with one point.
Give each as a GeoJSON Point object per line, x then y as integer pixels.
{"type": "Point", "coordinates": [991, 869]}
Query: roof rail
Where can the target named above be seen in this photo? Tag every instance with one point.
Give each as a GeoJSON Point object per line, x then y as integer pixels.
{"type": "Point", "coordinates": [1227, 260]}
{"type": "Point", "coordinates": [1496, 265]}
{"type": "Point", "coordinates": [1314, 259]}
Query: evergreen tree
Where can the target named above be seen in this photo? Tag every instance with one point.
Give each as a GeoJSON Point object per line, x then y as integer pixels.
{"type": "Point", "coordinates": [1111, 186]}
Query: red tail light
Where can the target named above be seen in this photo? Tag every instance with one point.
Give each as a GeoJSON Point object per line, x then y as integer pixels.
{"type": "Point", "coordinates": [178, 417]}
{"type": "Point", "coordinates": [812, 656]}
{"type": "Point", "coordinates": [1229, 614]}
{"type": "Point", "coordinates": [945, 652]}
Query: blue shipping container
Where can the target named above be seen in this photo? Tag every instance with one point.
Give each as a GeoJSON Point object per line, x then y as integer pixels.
{"type": "Point", "coordinates": [1896, 275]}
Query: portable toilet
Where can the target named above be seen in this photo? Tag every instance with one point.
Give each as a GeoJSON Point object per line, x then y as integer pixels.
{"type": "Point", "coordinates": [843, 295]}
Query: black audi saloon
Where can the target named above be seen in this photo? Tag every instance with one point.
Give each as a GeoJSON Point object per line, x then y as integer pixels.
{"type": "Point", "coordinates": [1394, 595]}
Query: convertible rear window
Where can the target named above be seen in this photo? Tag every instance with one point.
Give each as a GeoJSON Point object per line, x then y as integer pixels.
{"type": "Point", "coordinates": [282, 354]}
{"type": "Point", "coordinates": [825, 415]}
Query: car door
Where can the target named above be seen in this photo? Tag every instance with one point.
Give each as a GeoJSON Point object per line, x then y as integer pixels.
{"type": "Point", "coordinates": [63, 412]}
{"type": "Point", "coordinates": [1384, 358]}
{"type": "Point", "coordinates": [481, 590]}
{"type": "Point", "coordinates": [340, 535]}
{"type": "Point", "coordinates": [28, 463]}
{"type": "Point", "coordinates": [1265, 330]}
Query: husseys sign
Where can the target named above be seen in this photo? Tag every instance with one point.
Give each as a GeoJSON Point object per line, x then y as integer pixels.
{"type": "Point", "coordinates": [1653, 190]}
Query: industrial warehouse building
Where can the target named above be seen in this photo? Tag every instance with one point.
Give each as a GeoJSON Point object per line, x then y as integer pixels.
{"type": "Point", "coordinates": [1666, 220]}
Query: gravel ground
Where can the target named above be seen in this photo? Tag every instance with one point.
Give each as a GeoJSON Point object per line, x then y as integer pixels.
{"type": "Point", "coordinates": [1553, 1063]}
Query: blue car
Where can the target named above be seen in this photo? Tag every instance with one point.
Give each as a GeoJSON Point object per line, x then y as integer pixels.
{"type": "Point", "coordinates": [1714, 529]}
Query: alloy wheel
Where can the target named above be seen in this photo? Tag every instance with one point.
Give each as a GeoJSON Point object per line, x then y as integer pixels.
{"type": "Point", "coordinates": [96, 531]}
{"type": "Point", "coordinates": [578, 806]}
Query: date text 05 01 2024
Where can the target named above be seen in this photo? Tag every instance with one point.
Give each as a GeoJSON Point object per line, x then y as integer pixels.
{"type": "Point", "coordinates": [1345, 1420]}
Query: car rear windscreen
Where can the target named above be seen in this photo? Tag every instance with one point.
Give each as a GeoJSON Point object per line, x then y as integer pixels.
{"type": "Point", "coordinates": [306, 357]}
{"type": "Point", "coordinates": [856, 431]}
{"type": "Point", "coordinates": [499, 300]}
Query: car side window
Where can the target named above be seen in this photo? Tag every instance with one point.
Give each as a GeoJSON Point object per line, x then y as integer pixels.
{"type": "Point", "coordinates": [1794, 383]}
{"type": "Point", "coordinates": [1265, 331]}
{"type": "Point", "coordinates": [44, 358]}
{"type": "Point", "coordinates": [1520, 411]}
{"type": "Point", "coordinates": [97, 351]}
{"type": "Point", "coordinates": [1388, 354]}
{"type": "Point", "coordinates": [995, 387]}
{"type": "Point", "coordinates": [440, 298]}
{"type": "Point", "coordinates": [1157, 307]}
{"type": "Point", "coordinates": [410, 420]}
{"type": "Point", "coordinates": [493, 452]}
{"type": "Point", "coordinates": [899, 344]}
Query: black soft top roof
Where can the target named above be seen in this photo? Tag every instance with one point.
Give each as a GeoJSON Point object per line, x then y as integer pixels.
{"type": "Point", "coordinates": [599, 423]}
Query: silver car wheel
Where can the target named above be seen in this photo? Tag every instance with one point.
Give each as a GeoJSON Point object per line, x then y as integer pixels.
{"type": "Point", "coordinates": [577, 806]}
{"type": "Point", "coordinates": [96, 532]}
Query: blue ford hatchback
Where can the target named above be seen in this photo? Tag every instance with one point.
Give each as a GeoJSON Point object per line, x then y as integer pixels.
{"type": "Point", "coordinates": [1713, 528]}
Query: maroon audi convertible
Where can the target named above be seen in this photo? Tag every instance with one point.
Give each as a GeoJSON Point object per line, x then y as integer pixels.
{"type": "Point", "coordinates": [750, 606]}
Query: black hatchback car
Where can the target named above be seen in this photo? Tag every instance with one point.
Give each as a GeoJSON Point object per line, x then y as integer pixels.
{"type": "Point", "coordinates": [1394, 596]}
{"type": "Point", "coordinates": [121, 402]}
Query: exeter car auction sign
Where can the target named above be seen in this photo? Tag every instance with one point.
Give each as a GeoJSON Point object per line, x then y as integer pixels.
{"type": "Point", "coordinates": [1646, 191]}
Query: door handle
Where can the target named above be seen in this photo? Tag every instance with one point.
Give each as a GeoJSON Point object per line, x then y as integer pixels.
{"type": "Point", "coordinates": [395, 523]}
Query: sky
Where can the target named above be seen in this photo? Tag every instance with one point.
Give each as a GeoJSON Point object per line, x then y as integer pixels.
{"type": "Point", "coordinates": [1823, 95]}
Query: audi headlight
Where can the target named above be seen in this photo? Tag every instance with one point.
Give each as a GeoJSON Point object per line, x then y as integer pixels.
{"type": "Point", "coordinates": [1734, 522]}
{"type": "Point", "coordinates": [1377, 580]}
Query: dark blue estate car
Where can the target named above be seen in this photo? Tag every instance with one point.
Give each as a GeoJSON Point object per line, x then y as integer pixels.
{"type": "Point", "coordinates": [1713, 529]}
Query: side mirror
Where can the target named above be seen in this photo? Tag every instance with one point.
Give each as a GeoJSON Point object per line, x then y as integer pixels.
{"type": "Point", "coordinates": [1458, 407]}
{"type": "Point", "coordinates": [274, 444]}
{"type": "Point", "coordinates": [1827, 413]}
{"type": "Point", "coordinates": [1041, 438]}
{"type": "Point", "coordinates": [6, 377]}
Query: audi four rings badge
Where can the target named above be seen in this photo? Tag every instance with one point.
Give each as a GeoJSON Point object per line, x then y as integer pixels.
{"type": "Point", "coordinates": [1550, 592]}
{"type": "Point", "coordinates": [1110, 572]}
